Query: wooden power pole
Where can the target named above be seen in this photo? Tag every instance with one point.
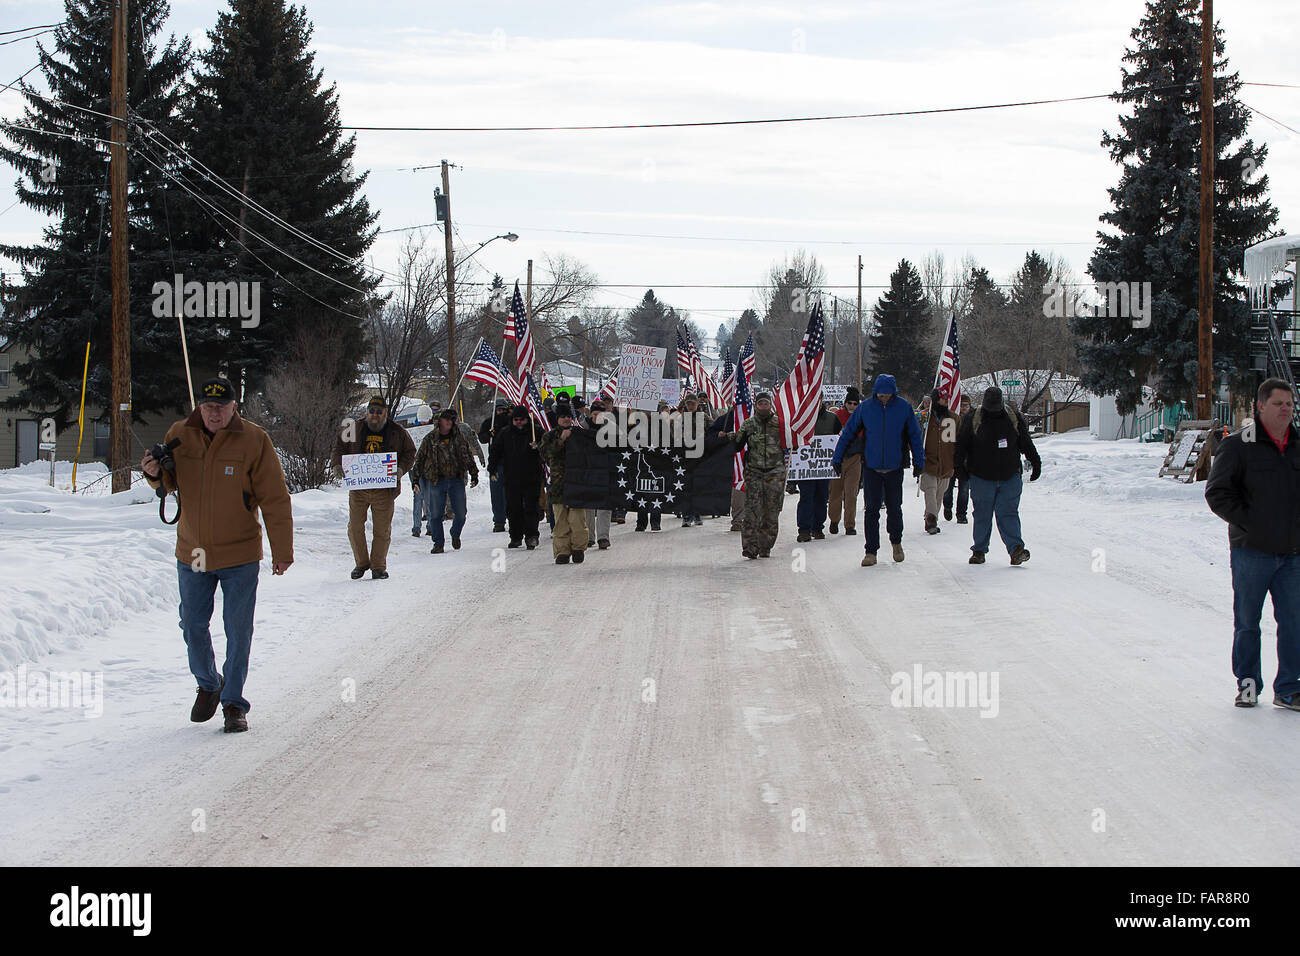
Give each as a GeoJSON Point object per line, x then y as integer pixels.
{"type": "Point", "coordinates": [451, 286]}
{"type": "Point", "coordinates": [1205, 303]}
{"type": "Point", "coordinates": [858, 383]}
{"type": "Point", "coordinates": [120, 412]}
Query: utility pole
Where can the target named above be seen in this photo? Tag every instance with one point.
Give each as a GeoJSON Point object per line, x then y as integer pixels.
{"type": "Point", "coordinates": [1205, 303]}
{"type": "Point", "coordinates": [528, 311]}
{"type": "Point", "coordinates": [120, 412]}
{"type": "Point", "coordinates": [858, 383]}
{"type": "Point", "coordinates": [835, 334]}
{"type": "Point", "coordinates": [451, 282]}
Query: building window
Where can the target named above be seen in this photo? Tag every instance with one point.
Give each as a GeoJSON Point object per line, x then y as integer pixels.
{"type": "Point", "coordinates": [4, 370]}
{"type": "Point", "coordinates": [101, 440]}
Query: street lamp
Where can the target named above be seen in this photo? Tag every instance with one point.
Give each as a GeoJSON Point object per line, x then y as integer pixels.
{"type": "Point", "coordinates": [508, 236]}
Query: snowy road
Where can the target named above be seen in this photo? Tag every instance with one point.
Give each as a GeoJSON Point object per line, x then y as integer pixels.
{"type": "Point", "coordinates": [669, 702]}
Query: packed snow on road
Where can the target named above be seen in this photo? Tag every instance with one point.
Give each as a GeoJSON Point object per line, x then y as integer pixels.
{"type": "Point", "coordinates": [667, 701]}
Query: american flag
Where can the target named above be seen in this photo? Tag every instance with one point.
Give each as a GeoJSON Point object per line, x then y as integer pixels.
{"type": "Point", "coordinates": [727, 387]}
{"type": "Point", "coordinates": [744, 408]}
{"type": "Point", "coordinates": [799, 398]}
{"type": "Point", "coordinates": [610, 387]}
{"type": "Point", "coordinates": [487, 368]}
{"type": "Point", "coordinates": [702, 378]}
{"type": "Point", "coordinates": [533, 402]}
{"type": "Point", "coordinates": [748, 358]}
{"type": "Point", "coordinates": [684, 364]}
{"type": "Point", "coordinates": [517, 329]}
{"type": "Point", "coordinates": [948, 379]}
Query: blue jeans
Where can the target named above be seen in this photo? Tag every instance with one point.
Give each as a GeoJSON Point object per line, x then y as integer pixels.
{"type": "Point", "coordinates": [814, 496]}
{"type": "Point", "coordinates": [1254, 574]}
{"type": "Point", "coordinates": [238, 597]}
{"type": "Point", "coordinates": [963, 496]}
{"type": "Point", "coordinates": [435, 503]}
{"type": "Point", "coordinates": [1000, 499]}
{"type": "Point", "coordinates": [498, 491]}
{"type": "Point", "coordinates": [875, 489]}
{"type": "Point", "coordinates": [418, 511]}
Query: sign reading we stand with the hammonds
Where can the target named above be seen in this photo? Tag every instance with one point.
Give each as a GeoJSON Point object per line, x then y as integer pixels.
{"type": "Point", "coordinates": [812, 462]}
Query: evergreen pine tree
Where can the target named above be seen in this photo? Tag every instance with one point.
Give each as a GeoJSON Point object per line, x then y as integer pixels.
{"type": "Point", "coordinates": [902, 333]}
{"type": "Point", "coordinates": [1155, 219]}
{"type": "Point", "coordinates": [651, 322]}
{"type": "Point", "coordinates": [266, 126]}
{"type": "Point", "coordinates": [65, 296]}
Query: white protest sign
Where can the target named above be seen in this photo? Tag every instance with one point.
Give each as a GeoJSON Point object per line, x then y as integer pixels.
{"type": "Point", "coordinates": [370, 471]}
{"type": "Point", "coordinates": [640, 371]}
{"type": "Point", "coordinates": [834, 394]}
{"type": "Point", "coordinates": [670, 390]}
{"type": "Point", "coordinates": [813, 461]}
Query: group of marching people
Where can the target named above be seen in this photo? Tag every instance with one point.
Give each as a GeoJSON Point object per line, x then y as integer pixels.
{"type": "Point", "coordinates": [967, 455]}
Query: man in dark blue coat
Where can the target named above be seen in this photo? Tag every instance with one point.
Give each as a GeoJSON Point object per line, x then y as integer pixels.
{"type": "Point", "coordinates": [886, 423]}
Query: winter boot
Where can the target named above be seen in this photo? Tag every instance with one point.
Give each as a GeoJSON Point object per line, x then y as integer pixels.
{"type": "Point", "coordinates": [531, 543]}
{"type": "Point", "coordinates": [205, 704]}
{"type": "Point", "coordinates": [819, 535]}
{"type": "Point", "coordinates": [561, 559]}
{"type": "Point", "coordinates": [436, 549]}
{"type": "Point", "coordinates": [603, 544]}
{"type": "Point", "coordinates": [752, 555]}
{"type": "Point", "coordinates": [515, 543]}
{"type": "Point", "coordinates": [236, 722]}
{"type": "Point", "coordinates": [803, 536]}
{"type": "Point", "coordinates": [498, 528]}
{"type": "Point", "coordinates": [835, 527]}
{"type": "Point", "coordinates": [1246, 697]}
{"type": "Point", "coordinates": [976, 557]}
{"type": "Point", "coordinates": [898, 551]}
{"type": "Point", "coordinates": [850, 530]}
{"type": "Point", "coordinates": [455, 543]}
{"type": "Point", "coordinates": [1290, 701]}
{"type": "Point", "coordinates": [357, 573]}
{"type": "Point", "coordinates": [931, 523]}
{"type": "Point", "coordinates": [415, 533]}
{"type": "Point", "coordinates": [1019, 556]}
{"type": "Point", "coordinates": [869, 559]}
{"type": "Point", "coordinates": [379, 575]}
{"type": "Point", "coordinates": [947, 513]}
{"type": "Point", "coordinates": [961, 519]}
{"type": "Point", "coordinates": [577, 557]}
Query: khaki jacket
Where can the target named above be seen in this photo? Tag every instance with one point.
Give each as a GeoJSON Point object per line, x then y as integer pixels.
{"type": "Point", "coordinates": [392, 437]}
{"type": "Point", "coordinates": [221, 481]}
{"type": "Point", "coordinates": [939, 453]}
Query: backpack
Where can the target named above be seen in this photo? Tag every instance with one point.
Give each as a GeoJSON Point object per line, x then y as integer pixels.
{"type": "Point", "coordinates": [1011, 413]}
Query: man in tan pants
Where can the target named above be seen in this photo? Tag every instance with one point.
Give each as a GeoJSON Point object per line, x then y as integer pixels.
{"type": "Point", "coordinates": [373, 435]}
{"type": "Point", "coordinates": [570, 536]}
{"type": "Point", "coordinates": [844, 489]}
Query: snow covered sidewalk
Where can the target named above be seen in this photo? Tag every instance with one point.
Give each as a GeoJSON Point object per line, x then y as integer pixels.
{"type": "Point", "coordinates": [665, 702]}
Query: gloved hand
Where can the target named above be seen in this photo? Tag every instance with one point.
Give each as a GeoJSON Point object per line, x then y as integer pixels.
{"type": "Point", "coordinates": [473, 481]}
{"type": "Point", "coordinates": [1037, 470]}
{"type": "Point", "coordinates": [917, 472]}
{"type": "Point", "coordinates": [838, 466]}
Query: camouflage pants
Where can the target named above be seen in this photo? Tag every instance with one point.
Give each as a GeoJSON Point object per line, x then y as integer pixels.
{"type": "Point", "coordinates": [763, 498]}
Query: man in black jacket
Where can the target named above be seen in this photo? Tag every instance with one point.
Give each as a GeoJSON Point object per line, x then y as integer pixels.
{"type": "Point", "coordinates": [990, 441]}
{"type": "Point", "coordinates": [499, 420]}
{"type": "Point", "coordinates": [814, 494]}
{"type": "Point", "coordinates": [512, 454]}
{"type": "Point", "coordinates": [1255, 486]}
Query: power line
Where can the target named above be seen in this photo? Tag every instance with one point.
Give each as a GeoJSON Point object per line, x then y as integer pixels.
{"type": "Point", "coordinates": [785, 119]}
{"type": "Point", "coordinates": [39, 26]}
{"type": "Point", "coordinates": [1270, 119]}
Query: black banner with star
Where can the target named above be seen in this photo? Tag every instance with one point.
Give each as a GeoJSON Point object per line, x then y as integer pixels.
{"type": "Point", "coordinates": [658, 479]}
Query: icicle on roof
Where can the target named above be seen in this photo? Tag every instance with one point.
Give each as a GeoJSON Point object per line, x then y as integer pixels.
{"type": "Point", "coordinates": [1263, 260]}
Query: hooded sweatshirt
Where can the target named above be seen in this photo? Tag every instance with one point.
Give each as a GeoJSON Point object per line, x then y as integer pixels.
{"type": "Point", "coordinates": [884, 428]}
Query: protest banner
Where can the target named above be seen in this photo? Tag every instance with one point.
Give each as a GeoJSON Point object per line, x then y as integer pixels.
{"type": "Point", "coordinates": [834, 394]}
{"type": "Point", "coordinates": [370, 471]}
{"type": "Point", "coordinates": [640, 370]}
{"type": "Point", "coordinates": [812, 462]}
{"type": "Point", "coordinates": [670, 390]}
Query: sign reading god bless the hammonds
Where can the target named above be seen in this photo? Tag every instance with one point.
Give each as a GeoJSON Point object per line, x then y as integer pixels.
{"type": "Point", "coordinates": [370, 471]}
{"type": "Point", "coordinates": [813, 461]}
{"type": "Point", "coordinates": [640, 370]}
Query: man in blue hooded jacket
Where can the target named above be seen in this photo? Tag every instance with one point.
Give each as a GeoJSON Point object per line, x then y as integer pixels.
{"type": "Point", "coordinates": [885, 422]}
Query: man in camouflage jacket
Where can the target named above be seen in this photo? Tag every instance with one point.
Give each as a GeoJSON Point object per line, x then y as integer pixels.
{"type": "Point", "coordinates": [441, 464]}
{"type": "Point", "coordinates": [765, 474]}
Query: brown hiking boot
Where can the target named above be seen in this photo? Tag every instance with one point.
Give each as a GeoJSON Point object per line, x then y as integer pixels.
{"type": "Point", "coordinates": [1020, 555]}
{"type": "Point", "coordinates": [236, 723]}
{"type": "Point", "coordinates": [931, 523]}
{"type": "Point", "coordinates": [205, 704]}
{"type": "Point", "coordinates": [869, 559]}
{"type": "Point", "coordinates": [898, 551]}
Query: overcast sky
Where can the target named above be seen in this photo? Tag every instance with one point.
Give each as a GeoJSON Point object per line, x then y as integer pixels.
{"type": "Point", "coordinates": [991, 183]}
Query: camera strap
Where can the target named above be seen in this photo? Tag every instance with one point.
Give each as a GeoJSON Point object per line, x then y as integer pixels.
{"type": "Point", "coordinates": [162, 504]}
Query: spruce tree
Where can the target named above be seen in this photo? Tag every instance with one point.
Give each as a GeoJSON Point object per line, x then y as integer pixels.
{"type": "Point", "coordinates": [651, 322]}
{"type": "Point", "coordinates": [1155, 216]}
{"type": "Point", "coordinates": [265, 124]}
{"type": "Point", "coordinates": [64, 298]}
{"type": "Point", "coordinates": [901, 334]}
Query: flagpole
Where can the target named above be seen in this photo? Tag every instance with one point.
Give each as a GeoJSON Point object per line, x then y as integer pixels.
{"type": "Point", "coordinates": [452, 401]}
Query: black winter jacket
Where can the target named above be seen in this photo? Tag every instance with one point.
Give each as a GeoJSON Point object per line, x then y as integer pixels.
{"type": "Point", "coordinates": [512, 448]}
{"type": "Point", "coordinates": [1256, 489]}
{"type": "Point", "coordinates": [493, 424]}
{"type": "Point", "coordinates": [994, 453]}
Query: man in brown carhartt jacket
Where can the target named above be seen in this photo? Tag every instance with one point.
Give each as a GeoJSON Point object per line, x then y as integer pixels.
{"type": "Point", "coordinates": [374, 434]}
{"type": "Point", "coordinates": [226, 469]}
{"type": "Point", "coordinates": [940, 446]}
